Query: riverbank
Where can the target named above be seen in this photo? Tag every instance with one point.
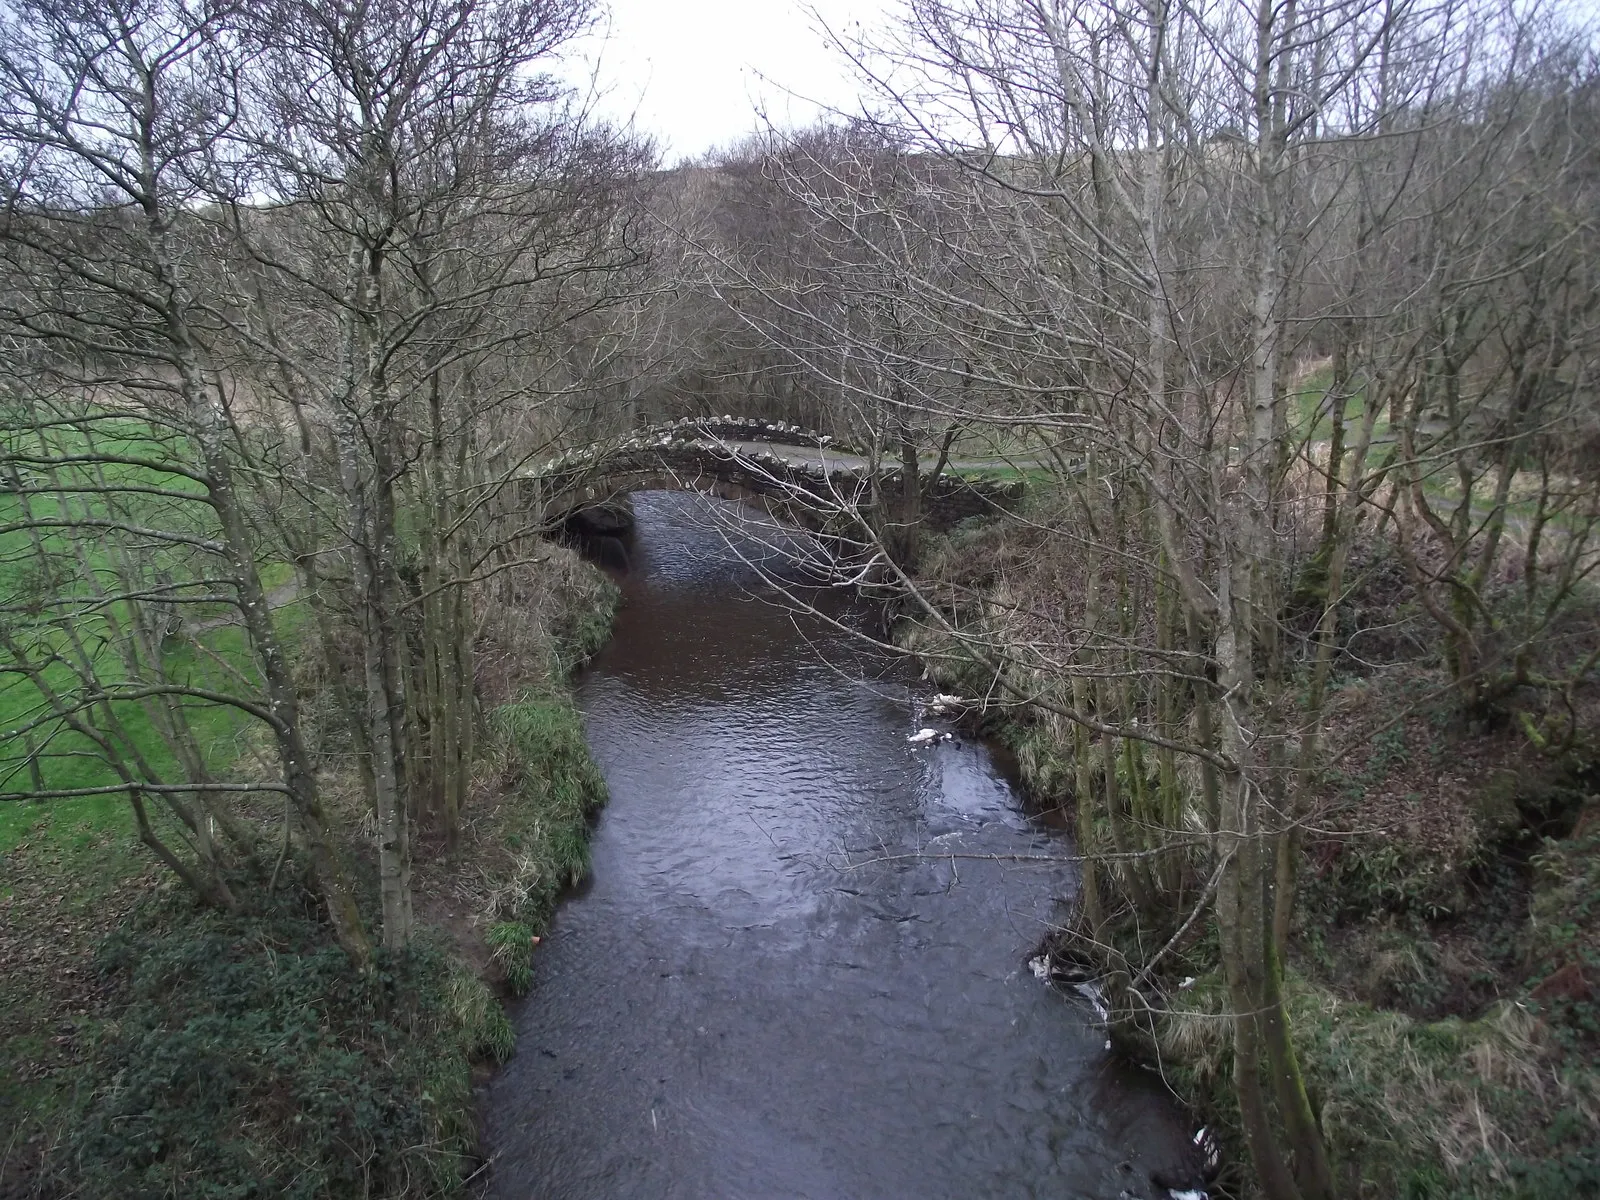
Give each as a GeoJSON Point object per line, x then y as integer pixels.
{"type": "Point", "coordinates": [151, 1048]}
{"type": "Point", "coordinates": [1443, 966]}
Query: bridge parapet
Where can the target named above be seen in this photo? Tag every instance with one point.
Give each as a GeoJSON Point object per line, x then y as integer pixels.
{"type": "Point", "coordinates": [684, 432]}
{"type": "Point", "coordinates": [807, 481]}
{"type": "Point", "coordinates": [741, 429]}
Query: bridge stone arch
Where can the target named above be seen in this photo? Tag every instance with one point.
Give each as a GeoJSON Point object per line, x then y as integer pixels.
{"type": "Point", "coordinates": [797, 474]}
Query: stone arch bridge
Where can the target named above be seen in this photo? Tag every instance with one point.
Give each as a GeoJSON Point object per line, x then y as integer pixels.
{"type": "Point", "coordinates": [795, 473]}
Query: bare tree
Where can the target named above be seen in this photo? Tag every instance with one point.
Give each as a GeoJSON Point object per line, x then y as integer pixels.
{"type": "Point", "coordinates": [109, 112]}
{"type": "Point", "coordinates": [446, 218]}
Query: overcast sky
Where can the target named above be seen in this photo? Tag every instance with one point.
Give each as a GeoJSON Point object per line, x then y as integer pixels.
{"type": "Point", "coordinates": [692, 72]}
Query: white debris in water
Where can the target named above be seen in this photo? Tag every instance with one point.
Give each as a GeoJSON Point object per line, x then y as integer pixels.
{"type": "Point", "coordinates": [1040, 966]}
{"type": "Point", "coordinates": [923, 737]}
{"type": "Point", "coordinates": [1190, 1194]}
{"type": "Point", "coordinates": [1210, 1148]}
{"type": "Point", "coordinates": [1092, 993]}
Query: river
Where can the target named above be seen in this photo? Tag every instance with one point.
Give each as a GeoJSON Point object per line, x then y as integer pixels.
{"type": "Point", "coordinates": [783, 978]}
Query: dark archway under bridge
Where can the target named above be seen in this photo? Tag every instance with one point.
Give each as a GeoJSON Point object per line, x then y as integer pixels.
{"type": "Point", "coordinates": [798, 475]}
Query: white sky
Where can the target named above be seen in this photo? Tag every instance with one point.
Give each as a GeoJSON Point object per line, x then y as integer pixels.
{"type": "Point", "coordinates": [692, 73]}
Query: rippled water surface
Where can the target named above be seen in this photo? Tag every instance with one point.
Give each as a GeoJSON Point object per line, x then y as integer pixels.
{"type": "Point", "coordinates": [782, 981]}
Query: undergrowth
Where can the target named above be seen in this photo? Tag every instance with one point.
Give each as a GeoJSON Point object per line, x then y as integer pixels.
{"type": "Point", "coordinates": [250, 1058]}
{"type": "Point", "coordinates": [1414, 1110]}
{"type": "Point", "coordinates": [227, 1057]}
{"type": "Point", "coordinates": [1443, 971]}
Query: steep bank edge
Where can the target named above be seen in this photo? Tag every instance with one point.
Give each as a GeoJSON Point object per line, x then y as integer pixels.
{"type": "Point", "coordinates": [527, 842]}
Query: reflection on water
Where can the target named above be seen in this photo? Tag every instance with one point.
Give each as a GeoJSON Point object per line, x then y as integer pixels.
{"type": "Point", "coordinates": [795, 973]}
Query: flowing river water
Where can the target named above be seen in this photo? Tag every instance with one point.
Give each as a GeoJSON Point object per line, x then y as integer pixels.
{"type": "Point", "coordinates": [783, 979]}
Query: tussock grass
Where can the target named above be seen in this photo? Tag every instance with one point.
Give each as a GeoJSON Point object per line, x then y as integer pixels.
{"type": "Point", "coordinates": [545, 825]}
{"type": "Point", "coordinates": [484, 1029]}
{"type": "Point", "coordinates": [1414, 1109]}
{"type": "Point", "coordinates": [511, 945]}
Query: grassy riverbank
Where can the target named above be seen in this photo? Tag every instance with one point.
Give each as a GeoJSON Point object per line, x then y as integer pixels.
{"type": "Point", "coordinates": [1442, 969]}
{"type": "Point", "coordinates": [151, 1048]}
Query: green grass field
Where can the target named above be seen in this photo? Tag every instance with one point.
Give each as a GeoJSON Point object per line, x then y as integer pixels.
{"type": "Point", "coordinates": [48, 571]}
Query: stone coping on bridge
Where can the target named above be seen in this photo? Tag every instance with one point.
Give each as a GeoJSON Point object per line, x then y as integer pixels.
{"type": "Point", "coordinates": [694, 437]}
{"type": "Point", "coordinates": [688, 431]}
{"type": "Point", "coordinates": [803, 477]}
{"type": "Point", "coordinates": [739, 429]}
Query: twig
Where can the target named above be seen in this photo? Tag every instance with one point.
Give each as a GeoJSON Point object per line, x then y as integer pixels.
{"type": "Point", "coordinates": [1194, 915]}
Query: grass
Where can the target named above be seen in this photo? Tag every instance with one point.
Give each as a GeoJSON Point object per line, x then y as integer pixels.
{"type": "Point", "coordinates": [73, 568]}
{"type": "Point", "coordinates": [211, 1055]}
{"type": "Point", "coordinates": [72, 762]}
{"type": "Point", "coordinates": [1311, 415]}
{"type": "Point", "coordinates": [1311, 419]}
{"type": "Point", "coordinates": [73, 865]}
{"type": "Point", "coordinates": [233, 1055]}
{"type": "Point", "coordinates": [558, 788]}
{"type": "Point", "coordinates": [1029, 476]}
{"type": "Point", "coordinates": [1421, 1110]}
{"type": "Point", "coordinates": [511, 945]}
{"type": "Point", "coordinates": [240, 1055]}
